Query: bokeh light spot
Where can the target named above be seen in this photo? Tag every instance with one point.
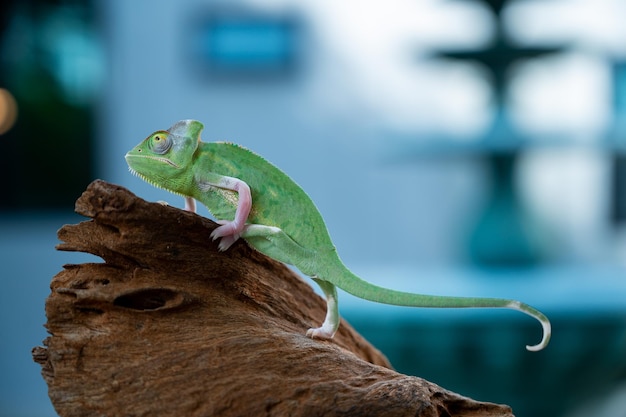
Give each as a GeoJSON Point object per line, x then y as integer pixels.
{"type": "Point", "coordinates": [8, 110]}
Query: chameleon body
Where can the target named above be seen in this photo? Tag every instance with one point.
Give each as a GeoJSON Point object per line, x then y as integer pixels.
{"type": "Point", "coordinates": [254, 200]}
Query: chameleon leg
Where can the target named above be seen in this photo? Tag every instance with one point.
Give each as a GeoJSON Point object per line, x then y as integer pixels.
{"type": "Point", "coordinates": [190, 204]}
{"type": "Point", "coordinates": [230, 231]}
{"type": "Point", "coordinates": [331, 323]}
{"type": "Point", "coordinates": [277, 244]}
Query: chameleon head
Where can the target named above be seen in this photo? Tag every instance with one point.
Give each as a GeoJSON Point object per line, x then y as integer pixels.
{"type": "Point", "coordinates": [164, 156]}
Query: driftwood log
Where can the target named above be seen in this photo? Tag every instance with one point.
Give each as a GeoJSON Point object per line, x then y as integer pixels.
{"type": "Point", "coordinates": [170, 326]}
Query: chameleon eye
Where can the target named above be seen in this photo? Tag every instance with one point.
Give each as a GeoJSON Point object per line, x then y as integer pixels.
{"type": "Point", "coordinates": [160, 143]}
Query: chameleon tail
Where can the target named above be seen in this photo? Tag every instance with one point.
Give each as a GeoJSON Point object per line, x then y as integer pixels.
{"type": "Point", "coordinates": [354, 285]}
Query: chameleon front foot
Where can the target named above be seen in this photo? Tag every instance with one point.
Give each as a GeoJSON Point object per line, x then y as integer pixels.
{"type": "Point", "coordinates": [228, 233]}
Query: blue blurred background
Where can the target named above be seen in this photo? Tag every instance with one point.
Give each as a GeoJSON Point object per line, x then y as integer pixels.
{"type": "Point", "coordinates": [454, 147]}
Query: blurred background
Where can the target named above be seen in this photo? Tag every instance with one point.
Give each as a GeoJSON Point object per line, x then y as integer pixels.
{"type": "Point", "coordinates": [466, 147]}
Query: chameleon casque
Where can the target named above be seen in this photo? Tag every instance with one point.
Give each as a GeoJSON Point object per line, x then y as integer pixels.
{"type": "Point", "coordinates": [253, 200]}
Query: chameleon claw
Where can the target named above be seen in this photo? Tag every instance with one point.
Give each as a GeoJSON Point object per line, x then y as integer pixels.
{"type": "Point", "coordinates": [227, 242]}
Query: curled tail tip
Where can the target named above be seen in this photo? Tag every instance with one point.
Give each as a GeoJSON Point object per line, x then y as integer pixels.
{"type": "Point", "coordinates": [547, 332]}
{"type": "Point", "coordinates": [545, 324]}
{"type": "Point", "coordinates": [544, 341]}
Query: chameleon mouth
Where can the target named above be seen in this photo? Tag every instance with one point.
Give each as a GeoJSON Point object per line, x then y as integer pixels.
{"type": "Point", "coordinates": [144, 177]}
{"type": "Point", "coordinates": [154, 158]}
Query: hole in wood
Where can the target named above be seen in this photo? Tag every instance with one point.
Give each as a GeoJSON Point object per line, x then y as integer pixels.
{"type": "Point", "coordinates": [149, 299]}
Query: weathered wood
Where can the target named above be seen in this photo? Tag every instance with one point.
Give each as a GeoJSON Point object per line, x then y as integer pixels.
{"type": "Point", "coordinates": [170, 326]}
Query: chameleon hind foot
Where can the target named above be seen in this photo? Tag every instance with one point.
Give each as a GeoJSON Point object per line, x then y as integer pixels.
{"type": "Point", "coordinates": [320, 333]}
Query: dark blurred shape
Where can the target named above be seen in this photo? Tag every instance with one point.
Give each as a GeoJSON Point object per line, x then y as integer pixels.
{"type": "Point", "coordinates": [43, 65]}
{"type": "Point", "coordinates": [618, 211]}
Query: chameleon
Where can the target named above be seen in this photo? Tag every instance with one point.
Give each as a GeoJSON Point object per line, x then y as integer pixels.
{"type": "Point", "coordinates": [254, 200]}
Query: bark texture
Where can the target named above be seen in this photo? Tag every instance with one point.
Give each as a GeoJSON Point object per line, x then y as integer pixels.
{"type": "Point", "coordinates": [170, 326]}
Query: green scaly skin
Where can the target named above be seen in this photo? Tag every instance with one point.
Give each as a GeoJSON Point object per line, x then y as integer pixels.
{"type": "Point", "coordinates": [256, 201]}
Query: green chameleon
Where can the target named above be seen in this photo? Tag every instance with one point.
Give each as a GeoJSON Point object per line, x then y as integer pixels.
{"type": "Point", "coordinates": [253, 200]}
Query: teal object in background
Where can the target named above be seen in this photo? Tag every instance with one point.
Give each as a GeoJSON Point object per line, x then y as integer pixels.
{"type": "Point", "coordinates": [504, 234]}
{"type": "Point", "coordinates": [249, 45]}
